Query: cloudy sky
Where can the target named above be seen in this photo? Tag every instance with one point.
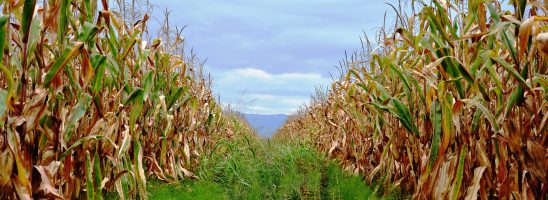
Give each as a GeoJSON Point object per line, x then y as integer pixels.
{"type": "Point", "coordinates": [267, 56]}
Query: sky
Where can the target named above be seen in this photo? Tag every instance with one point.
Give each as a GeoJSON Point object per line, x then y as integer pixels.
{"type": "Point", "coordinates": [267, 56]}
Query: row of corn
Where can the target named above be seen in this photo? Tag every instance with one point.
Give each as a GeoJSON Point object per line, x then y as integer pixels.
{"type": "Point", "coordinates": [89, 105]}
{"type": "Point", "coordinates": [451, 104]}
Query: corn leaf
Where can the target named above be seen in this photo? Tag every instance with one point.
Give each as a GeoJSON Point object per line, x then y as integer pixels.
{"type": "Point", "coordinates": [436, 117]}
{"type": "Point", "coordinates": [89, 177]}
{"type": "Point", "coordinates": [28, 13]}
{"type": "Point", "coordinates": [76, 114]}
{"type": "Point", "coordinates": [60, 63]}
{"type": "Point", "coordinates": [3, 22]}
{"type": "Point", "coordinates": [460, 170]}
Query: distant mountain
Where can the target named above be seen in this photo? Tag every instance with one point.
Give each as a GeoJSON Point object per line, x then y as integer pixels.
{"type": "Point", "coordinates": [266, 125]}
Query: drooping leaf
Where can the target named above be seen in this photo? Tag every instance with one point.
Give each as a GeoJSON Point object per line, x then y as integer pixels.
{"type": "Point", "coordinates": [60, 63]}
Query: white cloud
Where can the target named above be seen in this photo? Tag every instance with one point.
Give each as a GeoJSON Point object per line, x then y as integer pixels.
{"type": "Point", "coordinates": [256, 91]}
{"type": "Point", "coordinates": [292, 45]}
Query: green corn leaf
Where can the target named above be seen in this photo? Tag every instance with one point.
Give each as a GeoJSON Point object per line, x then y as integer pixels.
{"type": "Point", "coordinates": [436, 25]}
{"type": "Point", "coordinates": [10, 89]}
{"type": "Point", "coordinates": [112, 42]}
{"type": "Point", "coordinates": [403, 78]}
{"type": "Point", "coordinates": [493, 12]}
{"type": "Point", "coordinates": [28, 13]}
{"type": "Point", "coordinates": [89, 177]}
{"type": "Point", "coordinates": [521, 4]}
{"type": "Point", "coordinates": [34, 36]}
{"type": "Point", "coordinates": [517, 95]}
{"type": "Point", "coordinates": [492, 71]}
{"type": "Point", "coordinates": [63, 23]}
{"type": "Point", "coordinates": [460, 170]}
{"type": "Point", "coordinates": [136, 109]}
{"type": "Point", "coordinates": [113, 67]}
{"type": "Point", "coordinates": [77, 112]}
{"type": "Point", "coordinates": [88, 32]}
{"type": "Point", "coordinates": [490, 117]}
{"type": "Point", "coordinates": [475, 120]}
{"type": "Point", "coordinates": [483, 91]}
{"type": "Point", "coordinates": [384, 93]}
{"type": "Point", "coordinates": [445, 18]}
{"type": "Point", "coordinates": [474, 69]}
{"type": "Point", "coordinates": [402, 113]}
{"type": "Point", "coordinates": [436, 117]}
{"type": "Point", "coordinates": [465, 74]}
{"type": "Point", "coordinates": [84, 140]}
{"type": "Point", "coordinates": [89, 10]}
{"type": "Point", "coordinates": [61, 62]}
{"type": "Point", "coordinates": [447, 116]}
{"type": "Point", "coordinates": [97, 175]}
{"type": "Point", "coordinates": [3, 103]}
{"type": "Point", "coordinates": [136, 97]}
{"type": "Point", "coordinates": [98, 63]}
{"type": "Point", "coordinates": [3, 22]}
{"type": "Point", "coordinates": [514, 73]}
{"type": "Point", "coordinates": [174, 97]}
{"type": "Point", "coordinates": [128, 48]}
{"type": "Point", "coordinates": [147, 83]}
{"type": "Point", "coordinates": [509, 42]}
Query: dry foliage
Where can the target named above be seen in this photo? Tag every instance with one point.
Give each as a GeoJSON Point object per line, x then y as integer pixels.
{"type": "Point", "coordinates": [452, 105]}
{"type": "Point", "coordinates": [88, 105]}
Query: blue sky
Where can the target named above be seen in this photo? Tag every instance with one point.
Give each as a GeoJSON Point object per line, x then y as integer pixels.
{"type": "Point", "coordinates": [267, 57]}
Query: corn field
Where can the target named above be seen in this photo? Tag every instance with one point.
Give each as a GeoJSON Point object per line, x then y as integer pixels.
{"type": "Point", "coordinates": [90, 105]}
{"type": "Point", "coordinates": [449, 103]}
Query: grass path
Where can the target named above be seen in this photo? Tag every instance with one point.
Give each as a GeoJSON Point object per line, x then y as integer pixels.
{"type": "Point", "coordinates": [264, 169]}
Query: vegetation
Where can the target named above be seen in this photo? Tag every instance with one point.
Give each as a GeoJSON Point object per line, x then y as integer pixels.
{"type": "Point", "coordinates": [252, 168]}
{"type": "Point", "coordinates": [451, 105]}
{"type": "Point", "coordinates": [89, 104]}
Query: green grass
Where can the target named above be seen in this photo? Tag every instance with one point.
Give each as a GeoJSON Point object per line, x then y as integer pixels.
{"type": "Point", "coordinates": [261, 169]}
{"type": "Point", "coordinates": [342, 185]}
{"type": "Point", "coordinates": [187, 190]}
